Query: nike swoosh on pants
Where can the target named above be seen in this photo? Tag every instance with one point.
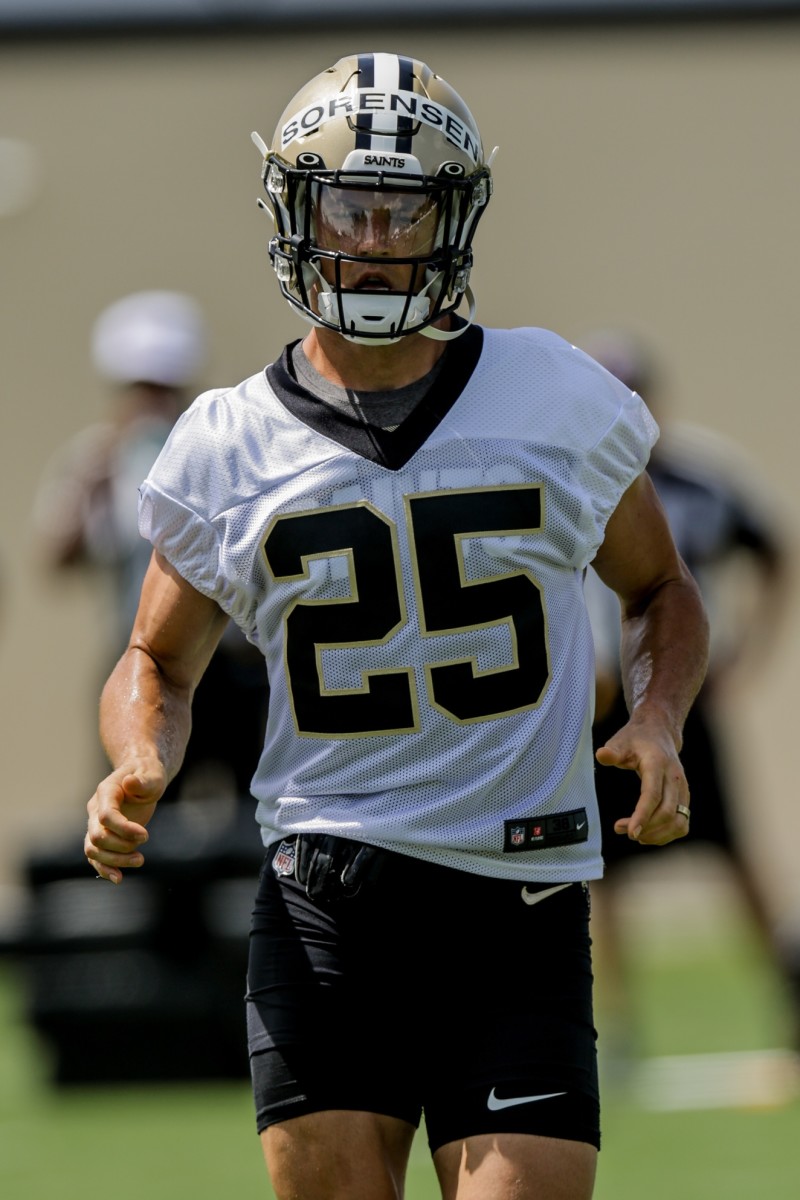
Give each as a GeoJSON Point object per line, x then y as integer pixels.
{"type": "Point", "coordinates": [495, 1103]}
{"type": "Point", "coordinates": [535, 897]}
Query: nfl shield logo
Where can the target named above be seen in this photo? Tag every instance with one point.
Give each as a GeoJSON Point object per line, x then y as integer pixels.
{"type": "Point", "coordinates": [283, 862]}
{"type": "Point", "coordinates": [517, 835]}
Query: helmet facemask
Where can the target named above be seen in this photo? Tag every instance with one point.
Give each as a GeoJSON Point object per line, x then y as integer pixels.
{"type": "Point", "coordinates": [375, 246]}
{"type": "Point", "coordinates": [330, 224]}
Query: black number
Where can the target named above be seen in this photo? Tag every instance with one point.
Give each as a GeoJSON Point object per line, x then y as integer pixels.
{"type": "Point", "coordinates": [451, 603]}
{"type": "Point", "coordinates": [374, 610]}
{"type": "Point", "coordinates": [369, 616]}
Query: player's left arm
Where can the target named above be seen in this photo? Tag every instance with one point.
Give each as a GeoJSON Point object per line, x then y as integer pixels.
{"type": "Point", "coordinates": [664, 653]}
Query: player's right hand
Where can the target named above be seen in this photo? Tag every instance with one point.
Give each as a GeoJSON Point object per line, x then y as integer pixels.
{"type": "Point", "coordinates": [118, 812]}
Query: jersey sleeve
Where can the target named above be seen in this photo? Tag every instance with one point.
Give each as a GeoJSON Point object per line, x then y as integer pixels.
{"type": "Point", "coordinates": [181, 510]}
{"type": "Point", "coordinates": [600, 431]}
{"type": "Point", "coordinates": [621, 452]}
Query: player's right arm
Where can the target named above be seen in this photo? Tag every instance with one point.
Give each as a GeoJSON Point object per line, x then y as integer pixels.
{"type": "Point", "coordinates": [145, 714]}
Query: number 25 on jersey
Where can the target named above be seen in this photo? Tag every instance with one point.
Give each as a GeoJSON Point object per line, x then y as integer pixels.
{"type": "Point", "coordinates": [374, 611]}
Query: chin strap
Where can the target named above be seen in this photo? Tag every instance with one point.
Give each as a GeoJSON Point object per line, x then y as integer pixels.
{"type": "Point", "coordinates": [329, 301]}
{"type": "Point", "coordinates": [447, 335]}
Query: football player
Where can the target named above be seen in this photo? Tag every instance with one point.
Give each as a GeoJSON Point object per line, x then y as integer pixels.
{"type": "Point", "coordinates": [399, 511]}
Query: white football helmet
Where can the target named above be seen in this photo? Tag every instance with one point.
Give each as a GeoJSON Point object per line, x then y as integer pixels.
{"type": "Point", "coordinates": [377, 149]}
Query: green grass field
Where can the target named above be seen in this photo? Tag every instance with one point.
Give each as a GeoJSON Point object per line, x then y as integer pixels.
{"type": "Point", "coordinates": [712, 993]}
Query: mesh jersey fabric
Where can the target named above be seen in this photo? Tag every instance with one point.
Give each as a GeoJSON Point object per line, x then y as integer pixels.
{"type": "Point", "coordinates": [424, 627]}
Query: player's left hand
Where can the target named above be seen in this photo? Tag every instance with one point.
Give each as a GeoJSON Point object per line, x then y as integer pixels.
{"type": "Point", "coordinates": [646, 746]}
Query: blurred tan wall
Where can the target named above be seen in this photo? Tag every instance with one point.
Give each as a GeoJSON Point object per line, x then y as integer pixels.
{"type": "Point", "coordinates": [646, 177]}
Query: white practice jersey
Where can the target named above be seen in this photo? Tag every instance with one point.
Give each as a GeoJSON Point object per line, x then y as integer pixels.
{"type": "Point", "coordinates": [417, 595]}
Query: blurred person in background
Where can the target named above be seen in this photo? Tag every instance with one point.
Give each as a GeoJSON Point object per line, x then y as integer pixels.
{"type": "Point", "coordinates": [732, 541]}
{"type": "Point", "coordinates": [149, 348]}
{"type": "Point", "coordinates": [399, 510]}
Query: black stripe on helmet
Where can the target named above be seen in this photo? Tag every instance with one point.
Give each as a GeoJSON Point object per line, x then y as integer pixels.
{"type": "Point", "coordinates": [366, 79]}
{"type": "Point", "coordinates": [405, 125]}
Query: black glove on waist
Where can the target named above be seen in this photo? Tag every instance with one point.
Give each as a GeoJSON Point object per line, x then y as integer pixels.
{"type": "Point", "coordinates": [334, 868]}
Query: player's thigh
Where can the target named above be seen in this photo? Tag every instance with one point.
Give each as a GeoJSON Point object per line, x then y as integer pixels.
{"type": "Point", "coordinates": [327, 1007]}
{"type": "Point", "coordinates": [516, 1166]}
{"type": "Point", "coordinates": [339, 1155]}
{"type": "Point", "coordinates": [510, 1045]}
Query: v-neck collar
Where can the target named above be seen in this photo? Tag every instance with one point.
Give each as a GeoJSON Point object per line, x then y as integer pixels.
{"type": "Point", "coordinates": [388, 448]}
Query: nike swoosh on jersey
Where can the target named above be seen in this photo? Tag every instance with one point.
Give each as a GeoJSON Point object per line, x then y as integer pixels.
{"type": "Point", "coordinates": [495, 1103]}
{"type": "Point", "coordinates": [535, 897]}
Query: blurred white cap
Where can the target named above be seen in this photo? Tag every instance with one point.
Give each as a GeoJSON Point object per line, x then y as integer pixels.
{"type": "Point", "coordinates": [150, 337]}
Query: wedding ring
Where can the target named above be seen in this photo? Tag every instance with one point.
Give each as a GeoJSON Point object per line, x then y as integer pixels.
{"type": "Point", "coordinates": [684, 811]}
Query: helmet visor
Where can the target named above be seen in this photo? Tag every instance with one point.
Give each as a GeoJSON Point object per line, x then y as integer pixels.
{"type": "Point", "coordinates": [380, 222]}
